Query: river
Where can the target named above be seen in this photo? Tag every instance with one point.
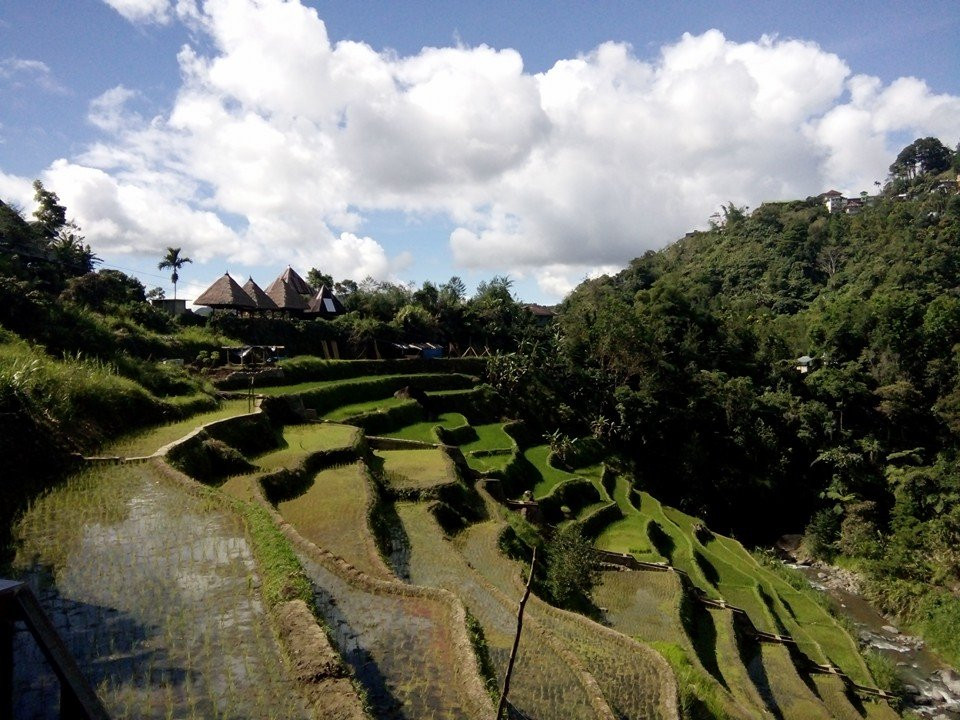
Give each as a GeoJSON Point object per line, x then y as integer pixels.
{"type": "Point", "coordinates": [933, 687]}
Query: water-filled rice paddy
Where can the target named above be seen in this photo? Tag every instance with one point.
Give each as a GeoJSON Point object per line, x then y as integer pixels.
{"type": "Point", "coordinates": [544, 686]}
{"type": "Point", "coordinates": [400, 647]}
{"type": "Point", "coordinates": [154, 589]}
{"type": "Point", "coordinates": [419, 469]}
{"type": "Point", "coordinates": [332, 514]}
{"type": "Point", "coordinates": [301, 441]}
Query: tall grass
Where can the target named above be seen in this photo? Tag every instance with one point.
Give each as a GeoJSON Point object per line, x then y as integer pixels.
{"type": "Point", "coordinates": [84, 394]}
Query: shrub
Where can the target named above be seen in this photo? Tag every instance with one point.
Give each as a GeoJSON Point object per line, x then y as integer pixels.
{"type": "Point", "coordinates": [569, 574]}
{"type": "Point", "coordinates": [208, 459]}
{"type": "Point", "coordinates": [821, 535]}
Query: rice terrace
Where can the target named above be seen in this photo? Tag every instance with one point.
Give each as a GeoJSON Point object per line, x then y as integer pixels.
{"type": "Point", "coordinates": [696, 457]}
{"type": "Point", "coordinates": [180, 572]}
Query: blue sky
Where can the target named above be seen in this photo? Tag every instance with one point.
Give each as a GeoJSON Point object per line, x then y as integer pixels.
{"type": "Point", "coordinates": [414, 141]}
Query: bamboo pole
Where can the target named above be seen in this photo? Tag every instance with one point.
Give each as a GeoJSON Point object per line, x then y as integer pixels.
{"type": "Point", "coordinates": [516, 639]}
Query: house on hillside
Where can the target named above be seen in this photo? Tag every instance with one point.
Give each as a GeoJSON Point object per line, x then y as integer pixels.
{"type": "Point", "coordinates": [852, 206]}
{"type": "Point", "coordinates": [834, 200]}
{"type": "Point", "coordinates": [541, 313]}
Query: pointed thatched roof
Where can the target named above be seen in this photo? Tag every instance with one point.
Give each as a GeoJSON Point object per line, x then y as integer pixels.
{"type": "Point", "coordinates": [259, 297]}
{"type": "Point", "coordinates": [225, 293]}
{"type": "Point", "coordinates": [299, 285]}
{"type": "Point", "coordinates": [284, 296]}
{"type": "Point", "coordinates": [325, 303]}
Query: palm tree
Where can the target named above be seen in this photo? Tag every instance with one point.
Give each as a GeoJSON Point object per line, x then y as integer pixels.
{"type": "Point", "coordinates": [173, 260]}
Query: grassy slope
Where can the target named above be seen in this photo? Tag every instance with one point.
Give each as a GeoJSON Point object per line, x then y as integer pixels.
{"type": "Point", "coordinates": [424, 431]}
{"type": "Point", "coordinates": [724, 569]}
{"type": "Point", "coordinates": [304, 440]}
{"type": "Point", "coordinates": [149, 441]}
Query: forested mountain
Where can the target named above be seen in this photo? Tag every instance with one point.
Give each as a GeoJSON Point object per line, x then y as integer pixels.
{"type": "Point", "coordinates": [688, 364]}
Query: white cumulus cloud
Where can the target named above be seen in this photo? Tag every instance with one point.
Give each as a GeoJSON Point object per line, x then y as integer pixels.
{"type": "Point", "coordinates": [143, 11]}
{"type": "Point", "coordinates": [279, 141]}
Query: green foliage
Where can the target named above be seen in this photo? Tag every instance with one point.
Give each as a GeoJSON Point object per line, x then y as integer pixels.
{"type": "Point", "coordinates": [86, 397]}
{"type": "Point", "coordinates": [484, 664]}
{"type": "Point", "coordinates": [698, 697]}
{"type": "Point", "coordinates": [207, 459]}
{"type": "Point", "coordinates": [884, 672]}
{"type": "Point", "coordinates": [283, 576]}
{"type": "Point", "coordinates": [921, 157]}
{"type": "Point", "coordinates": [569, 574]}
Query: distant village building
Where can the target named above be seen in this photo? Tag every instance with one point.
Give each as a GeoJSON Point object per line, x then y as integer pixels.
{"type": "Point", "coordinates": [325, 304]}
{"type": "Point", "coordinates": [804, 364]}
{"type": "Point", "coordinates": [853, 206]}
{"type": "Point", "coordinates": [170, 306]}
{"type": "Point", "coordinates": [541, 313]}
{"type": "Point", "coordinates": [288, 295]}
{"type": "Point", "coordinates": [834, 201]}
{"type": "Point", "coordinates": [259, 297]}
{"type": "Point", "coordinates": [225, 294]}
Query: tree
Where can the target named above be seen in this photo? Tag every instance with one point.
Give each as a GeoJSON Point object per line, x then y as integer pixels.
{"type": "Point", "coordinates": [921, 157]}
{"type": "Point", "coordinates": [316, 279]}
{"type": "Point", "coordinates": [345, 287]}
{"type": "Point", "coordinates": [97, 290]}
{"type": "Point", "coordinates": [570, 571]}
{"type": "Point", "coordinates": [50, 214]}
{"type": "Point", "coordinates": [64, 244]}
{"type": "Point", "coordinates": [68, 249]}
{"type": "Point", "coordinates": [453, 291]}
{"type": "Point", "coordinates": [173, 261]}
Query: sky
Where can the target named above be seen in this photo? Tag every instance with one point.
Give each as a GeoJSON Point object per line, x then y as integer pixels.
{"type": "Point", "coordinates": [412, 141]}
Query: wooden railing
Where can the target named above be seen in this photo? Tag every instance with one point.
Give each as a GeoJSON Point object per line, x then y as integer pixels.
{"type": "Point", "coordinates": [19, 604]}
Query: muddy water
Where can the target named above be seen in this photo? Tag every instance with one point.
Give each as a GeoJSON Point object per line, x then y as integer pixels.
{"type": "Point", "coordinates": [933, 686]}
{"type": "Point", "coordinates": [154, 592]}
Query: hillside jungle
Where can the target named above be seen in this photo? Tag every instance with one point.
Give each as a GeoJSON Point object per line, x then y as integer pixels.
{"type": "Point", "coordinates": [682, 372]}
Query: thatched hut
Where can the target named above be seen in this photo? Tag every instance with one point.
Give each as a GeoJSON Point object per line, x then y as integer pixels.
{"type": "Point", "coordinates": [225, 294]}
{"type": "Point", "coordinates": [325, 304]}
{"type": "Point", "coordinates": [260, 298]}
{"type": "Point", "coordinates": [285, 297]}
{"type": "Point", "coordinates": [299, 285]}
